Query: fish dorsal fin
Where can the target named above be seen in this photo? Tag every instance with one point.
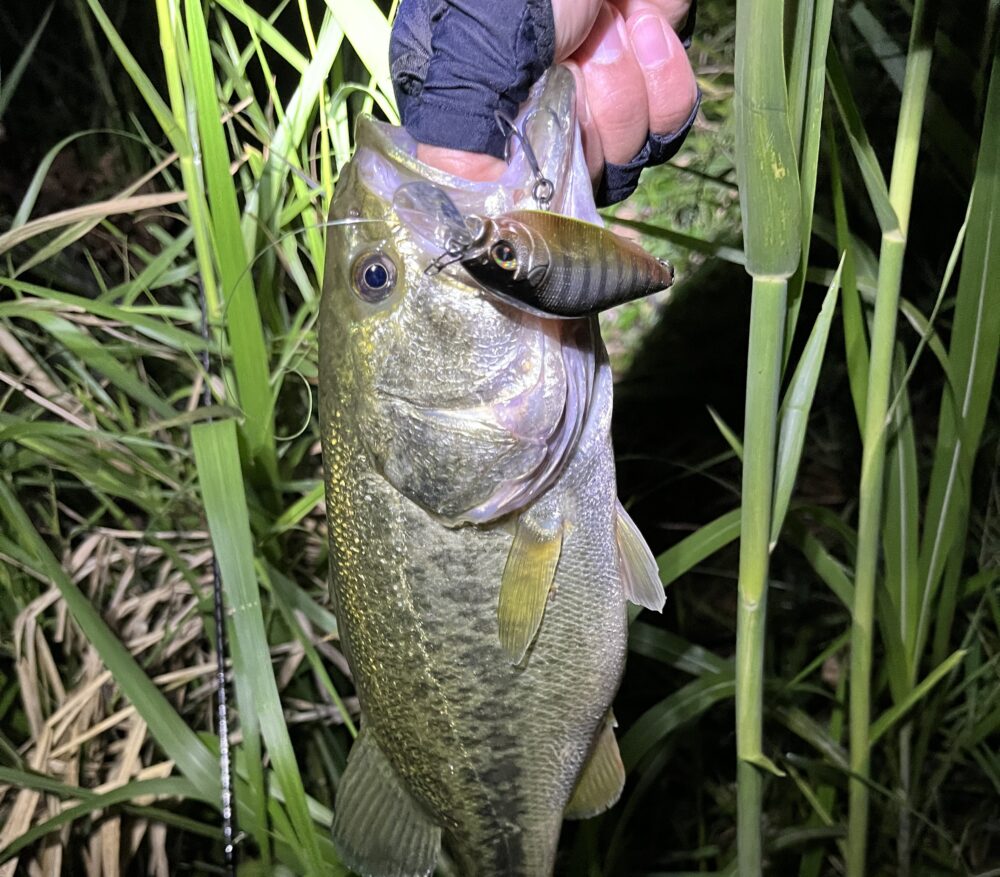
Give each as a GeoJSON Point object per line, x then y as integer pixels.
{"type": "Point", "coordinates": [378, 827]}
{"type": "Point", "coordinates": [603, 776]}
{"type": "Point", "coordinates": [640, 574]}
{"type": "Point", "coordinates": [524, 588]}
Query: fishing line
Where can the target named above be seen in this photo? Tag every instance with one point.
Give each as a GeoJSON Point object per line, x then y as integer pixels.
{"type": "Point", "coordinates": [230, 391]}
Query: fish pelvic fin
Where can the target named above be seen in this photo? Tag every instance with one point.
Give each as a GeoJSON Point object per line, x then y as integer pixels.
{"type": "Point", "coordinates": [640, 574]}
{"type": "Point", "coordinates": [379, 829]}
{"type": "Point", "coordinates": [602, 778]}
{"type": "Point", "coordinates": [527, 581]}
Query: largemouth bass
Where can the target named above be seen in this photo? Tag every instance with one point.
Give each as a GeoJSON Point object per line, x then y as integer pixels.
{"type": "Point", "coordinates": [481, 561]}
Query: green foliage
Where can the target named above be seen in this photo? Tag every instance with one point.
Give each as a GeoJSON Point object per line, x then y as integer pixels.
{"type": "Point", "coordinates": [118, 485]}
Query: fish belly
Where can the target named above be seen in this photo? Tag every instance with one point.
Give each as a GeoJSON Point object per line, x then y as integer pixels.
{"type": "Point", "coordinates": [490, 750]}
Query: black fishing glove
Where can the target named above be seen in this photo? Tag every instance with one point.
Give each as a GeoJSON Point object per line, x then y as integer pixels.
{"type": "Point", "coordinates": [465, 59]}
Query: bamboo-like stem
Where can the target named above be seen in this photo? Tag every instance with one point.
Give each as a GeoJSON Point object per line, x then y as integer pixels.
{"type": "Point", "coordinates": [767, 320]}
{"type": "Point", "coordinates": [770, 201]}
{"type": "Point", "coordinates": [873, 456]}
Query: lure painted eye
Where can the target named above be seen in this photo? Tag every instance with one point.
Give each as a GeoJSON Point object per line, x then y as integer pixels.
{"type": "Point", "coordinates": [374, 276]}
{"type": "Point", "coordinates": [503, 254]}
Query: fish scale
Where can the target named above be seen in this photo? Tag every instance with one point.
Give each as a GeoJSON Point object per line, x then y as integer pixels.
{"type": "Point", "coordinates": [480, 572]}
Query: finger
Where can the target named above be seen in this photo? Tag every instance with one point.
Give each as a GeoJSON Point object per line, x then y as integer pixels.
{"type": "Point", "coordinates": [616, 92]}
{"type": "Point", "coordinates": [676, 11]}
{"type": "Point", "coordinates": [590, 137]}
{"type": "Point", "coordinates": [471, 165]}
{"type": "Point", "coordinates": [671, 88]}
{"type": "Point", "coordinates": [573, 21]}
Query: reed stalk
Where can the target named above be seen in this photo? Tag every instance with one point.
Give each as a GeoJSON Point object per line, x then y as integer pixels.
{"type": "Point", "coordinates": [874, 434]}
{"type": "Point", "coordinates": [770, 202]}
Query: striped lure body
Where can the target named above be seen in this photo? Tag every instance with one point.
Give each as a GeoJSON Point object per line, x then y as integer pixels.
{"type": "Point", "coordinates": [549, 263]}
{"type": "Point", "coordinates": [560, 265]}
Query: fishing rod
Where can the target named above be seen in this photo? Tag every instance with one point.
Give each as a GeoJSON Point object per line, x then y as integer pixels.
{"type": "Point", "coordinates": [227, 799]}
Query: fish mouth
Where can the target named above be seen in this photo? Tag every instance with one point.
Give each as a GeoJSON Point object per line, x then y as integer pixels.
{"type": "Point", "coordinates": [511, 453]}
{"type": "Point", "coordinates": [387, 158]}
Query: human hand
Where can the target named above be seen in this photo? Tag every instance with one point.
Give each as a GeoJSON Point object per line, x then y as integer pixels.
{"type": "Point", "coordinates": [633, 79]}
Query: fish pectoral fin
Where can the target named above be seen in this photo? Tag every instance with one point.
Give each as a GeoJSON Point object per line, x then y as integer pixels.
{"type": "Point", "coordinates": [379, 829]}
{"type": "Point", "coordinates": [524, 588]}
{"type": "Point", "coordinates": [640, 574]}
{"type": "Point", "coordinates": [602, 779]}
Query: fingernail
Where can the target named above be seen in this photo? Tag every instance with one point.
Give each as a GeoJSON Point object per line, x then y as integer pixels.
{"type": "Point", "coordinates": [649, 42]}
{"type": "Point", "coordinates": [611, 46]}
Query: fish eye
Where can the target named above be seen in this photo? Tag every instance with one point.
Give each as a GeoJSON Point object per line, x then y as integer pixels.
{"type": "Point", "coordinates": [374, 276]}
{"type": "Point", "coordinates": [503, 254]}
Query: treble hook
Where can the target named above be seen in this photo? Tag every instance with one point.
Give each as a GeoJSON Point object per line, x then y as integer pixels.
{"type": "Point", "coordinates": [543, 190]}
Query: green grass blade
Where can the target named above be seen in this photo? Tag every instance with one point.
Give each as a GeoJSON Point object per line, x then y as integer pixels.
{"type": "Point", "coordinates": [864, 153]}
{"type": "Point", "coordinates": [298, 510]}
{"type": "Point", "coordinates": [890, 55]}
{"type": "Point", "coordinates": [300, 601]}
{"type": "Point", "coordinates": [798, 67]}
{"type": "Point", "coordinates": [807, 126]}
{"type": "Point", "coordinates": [764, 359]}
{"type": "Point", "coordinates": [367, 29]}
{"type": "Point", "coordinates": [852, 317]}
{"type": "Point", "coordinates": [693, 549]}
{"type": "Point", "coordinates": [134, 69]}
{"type": "Point", "coordinates": [715, 249]}
{"type": "Point", "coordinates": [890, 717]}
{"type": "Point", "coordinates": [97, 356]}
{"type": "Point", "coordinates": [33, 189]}
{"type": "Point", "coordinates": [9, 81]}
{"type": "Point", "coordinates": [172, 787]}
{"type": "Point", "coordinates": [770, 203]}
{"type": "Point", "coordinates": [155, 328]}
{"type": "Point", "coordinates": [682, 706]}
{"type": "Point", "coordinates": [794, 415]}
{"type": "Point", "coordinates": [176, 64]}
{"type": "Point", "coordinates": [266, 32]}
{"type": "Point", "coordinates": [900, 538]}
{"type": "Point", "coordinates": [830, 571]}
{"type": "Point", "coordinates": [243, 323]}
{"type": "Point", "coordinates": [732, 439]}
{"type": "Point", "coordinates": [949, 136]}
{"type": "Point", "coordinates": [671, 649]}
{"type": "Point", "coordinates": [217, 457]}
{"type": "Point", "coordinates": [972, 359]}
{"type": "Point", "coordinates": [286, 603]}
{"type": "Point", "coordinates": [875, 434]}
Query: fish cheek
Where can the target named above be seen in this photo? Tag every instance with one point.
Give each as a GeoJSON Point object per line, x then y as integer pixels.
{"type": "Point", "coordinates": [447, 463]}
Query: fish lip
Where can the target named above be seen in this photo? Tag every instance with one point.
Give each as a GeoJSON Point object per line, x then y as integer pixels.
{"type": "Point", "coordinates": [387, 154]}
